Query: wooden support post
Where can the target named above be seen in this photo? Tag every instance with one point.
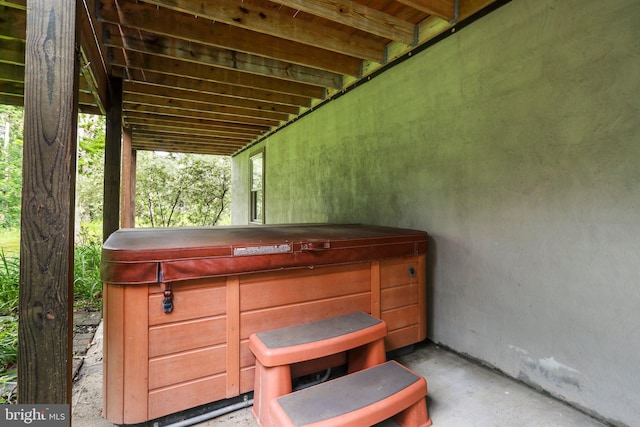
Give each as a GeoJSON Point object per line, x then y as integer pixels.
{"type": "Point", "coordinates": [48, 200]}
{"type": "Point", "coordinates": [112, 158]}
{"type": "Point", "coordinates": [128, 203]}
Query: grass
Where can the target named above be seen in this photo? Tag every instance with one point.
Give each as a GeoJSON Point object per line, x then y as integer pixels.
{"type": "Point", "coordinates": [86, 283]}
{"type": "Point", "coordinates": [8, 357]}
{"type": "Point", "coordinates": [87, 296]}
{"type": "Point", "coordinates": [9, 285]}
{"type": "Point", "coordinates": [10, 241]}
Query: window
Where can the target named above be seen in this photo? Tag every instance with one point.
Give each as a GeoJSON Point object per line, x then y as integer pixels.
{"type": "Point", "coordinates": [256, 201]}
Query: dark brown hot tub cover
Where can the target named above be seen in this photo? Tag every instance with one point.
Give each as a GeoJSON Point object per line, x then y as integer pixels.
{"type": "Point", "coordinates": [139, 255]}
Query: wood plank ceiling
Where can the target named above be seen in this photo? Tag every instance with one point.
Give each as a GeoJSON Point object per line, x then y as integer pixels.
{"type": "Point", "coordinates": [215, 76]}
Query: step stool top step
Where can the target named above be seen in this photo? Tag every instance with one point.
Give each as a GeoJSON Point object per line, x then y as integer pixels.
{"type": "Point", "coordinates": [358, 391]}
{"type": "Point", "coordinates": [312, 340]}
{"type": "Point", "coordinates": [317, 331]}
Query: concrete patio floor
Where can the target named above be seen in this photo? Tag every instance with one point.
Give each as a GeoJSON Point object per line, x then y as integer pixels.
{"type": "Point", "coordinates": [461, 394]}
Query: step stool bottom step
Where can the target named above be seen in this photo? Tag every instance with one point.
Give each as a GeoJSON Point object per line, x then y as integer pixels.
{"type": "Point", "coordinates": [363, 398]}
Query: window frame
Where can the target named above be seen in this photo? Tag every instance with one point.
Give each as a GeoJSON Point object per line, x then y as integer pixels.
{"type": "Point", "coordinates": [256, 190]}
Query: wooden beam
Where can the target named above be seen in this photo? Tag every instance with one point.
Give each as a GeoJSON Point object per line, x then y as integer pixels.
{"type": "Point", "coordinates": [196, 106]}
{"type": "Point", "coordinates": [16, 4]}
{"type": "Point", "coordinates": [13, 94]}
{"type": "Point", "coordinates": [270, 21]}
{"type": "Point", "coordinates": [128, 193]}
{"type": "Point", "coordinates": [469, 7]}
{"type": "Point", "coordinates": [195, 121]}
{"type": "Point", "coordinates": [13, 22]}
{"type": "Point", "coordinates": [12, 51]}
{"type": "Point", "coordinates": [195, 128]}
{"type": "Point", "coordinates": [9, 99]}
{"type": "Point", "coordinates": [178, 147]}
{"type": "Point", "coordinates": [214, 74]}
{"type": "Point", "coordinates": [86, 98]}
{"type": "Point", "coordinates": [445, 9]}
{"type": "Point", "coordinates": [172, 132]}
{"type": "Point", "coordinates": [48, 201]}
{"type": "Point", "coordinates": [232, 118]}
{"type": "Point", "coordinates": [94, 66]}
{"type": "Point", "coordinates": [224, 89]}
{"type": "Point", "coordinates": [90, 109]}
{"type": "Point", "coordinates": [163, 143]}
{"type": "Point", "coordinates": [191, 149]}
{"type": "Point", "coordinates": [12, 73]}
{"type": "Point", "coordinates": [140, 88]}
{"type": "Point", "coordinates": [12, 88]}
{"type": "Point", "coordinates": [352, 14]}
{"type": "Point", "coordinates": [161, 21]}
{"type": "Point", "coordinates": [112, 158]}
{"type": "Point", "coordinates": [142, 134]}
{"type": "Point", "coordinates": [223, 58]}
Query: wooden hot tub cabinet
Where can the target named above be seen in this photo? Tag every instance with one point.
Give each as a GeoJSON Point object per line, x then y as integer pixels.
{"type": "Point", "coordinates": [218, 285]}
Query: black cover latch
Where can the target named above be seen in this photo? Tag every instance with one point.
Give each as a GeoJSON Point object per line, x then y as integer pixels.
{"type": "Point", "coordinates": [167, 301]}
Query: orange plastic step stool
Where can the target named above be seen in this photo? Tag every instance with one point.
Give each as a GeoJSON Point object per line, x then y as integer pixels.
{"type": "Point", "coordinates": [360, 399]}
{"type": "Point", "coordinates": [361, 335]}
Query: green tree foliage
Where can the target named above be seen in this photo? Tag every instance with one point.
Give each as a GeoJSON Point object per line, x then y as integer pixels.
{"type": "Point", "coordinates": [209, 191]}
{"type": "Point", "coordinates": [182, 189]}
{"type": "Point", "coordinates": [172, 189]}
{"type": "Point", "coordinates": [90, 179]}
{"type": "Point", "coordinates": [11, 125]}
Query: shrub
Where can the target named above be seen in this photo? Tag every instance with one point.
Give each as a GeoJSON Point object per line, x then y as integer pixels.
{"type": "Point", "coordinates": [8, 357]}
{"type": "Point", "coordinates": [9, 284]}
{"type": "Point", "coordinates": [87, 296]}
{"type": "Point", "coordinates": [87, 285]}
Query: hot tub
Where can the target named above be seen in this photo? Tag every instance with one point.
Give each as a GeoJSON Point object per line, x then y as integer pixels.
{"type": "Point", "coordinates": [180, 303]}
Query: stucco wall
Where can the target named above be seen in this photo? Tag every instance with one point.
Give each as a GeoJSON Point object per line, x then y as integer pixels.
{"type": "Point", "coordinates": [516, 144]}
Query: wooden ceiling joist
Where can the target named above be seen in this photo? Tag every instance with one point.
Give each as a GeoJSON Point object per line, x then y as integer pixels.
{"type": "Point", "coordinates": [445, 9]}
{"type": "Point", "coordinates": [196, 106]}
{"type": "Point", "coordinates": [177, 136]}
{"type": "Point", "coordinates": [94, 65]}
{"type": "Point", "coordinates": [225, 89]}
{"type": "Point", "coordinates": [357, 16]}
{"type": "Point", "coordinates": [163, 125]}
{"type": "Point", "coordinates": [221, 116]}
{"type": "Point", "coordinates": [223, 58]}
{"type": "Point", "coordinates": [155, 141]}
{"type": "Point", "coordinates": [161, 21]}
{"type": "Point", "coordinates": [11, 88]}
{"type": "Point", "coordinates": [216, 76]}
{"type": "Point", "coordinates": [13, 24]}
{"type": "Point", "coordinates": [11, 73]}
{"type": "Point", "coordinates": [11, 99]}
{"type": "Point", "coordinates": [176, 67]}
{"type": "Point", "coordinates": [144, 142]}
{"type": "Point", "coordinates": [17, 4]}
{"type": "Point", "coordinates": [195, 134]}
{"type": "Point", "coordinates": [139, 88]}
{"type": "Point", "coordinates": [12, 51]}
{"type": "Point", "coordinates": [270, 21]}
{"type": "Point", "coordinates": [195, 121]}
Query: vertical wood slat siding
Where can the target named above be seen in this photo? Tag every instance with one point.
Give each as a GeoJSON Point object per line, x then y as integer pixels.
{"type": "Point", "coordinates": [48, 198]}
{"type": "Point", "coordinates": [233, 336]}
{"type": "Point", "coordinates": [201, 298]}
{"type": "Point", "coordinates": [113, 350]}
{"type": "Point", "coordinates": [136, 341]}
{"type": "Point", "coordinates": [403, 300]}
